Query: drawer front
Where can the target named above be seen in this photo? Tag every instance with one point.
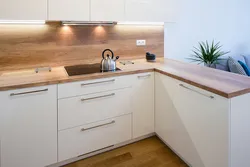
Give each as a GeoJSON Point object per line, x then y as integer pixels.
{"type": "Point", "coordinates": [77, 111]}
{"type": "Point", "coordinates": [88, 138]}
{"type": "Point", "coordinates": [93, 86]}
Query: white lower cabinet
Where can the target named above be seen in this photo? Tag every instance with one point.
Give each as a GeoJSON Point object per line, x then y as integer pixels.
{"type": "Point", "coordinates": [74, 89]}
{"type": "Point", "coordinates": [193, 122]}
{"type": "Point", "coordinates": [143, 104]}
{"type": "Point", "coordinates": [80, 110]}
{"type": "Point", "coordinates": [87, 138]}
{"type": "Point", "coordinates": [100, 116]}
{"type": "Point", "coordinates": [28, 127]}
{"type": "Point", "coordinates": [204, 129]}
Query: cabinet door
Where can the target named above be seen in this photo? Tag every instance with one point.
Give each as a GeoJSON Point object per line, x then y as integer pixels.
{"type": "Point", "coordinates": [168, 124]}
{"type": "Point", "coordinates": [191, 123]}
{"type": "Point", "coordinates": [150, 10]}
{"type": "Point", "coordinates": [29, 133]}
{"type": "Point", "coordinates": [108, 10]}
{"type": "Point", "coordinates": [143, 105]}
{"type": "Point", "coordinates": [205, 117]}
{"type": "Point", "coordinates": [23, 10]}
{"type": "Point", "coordinates": [92, 137]}
{"type": "Point", "coordinates": [71, 10]}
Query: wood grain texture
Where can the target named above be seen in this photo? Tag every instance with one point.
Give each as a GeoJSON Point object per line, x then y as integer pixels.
{"type": "Point", "coordinates": [31, 46]}
{"type": "Point", "coordinates": [150, 152]}
{"type": "Point", "coordinates": [222, 83]}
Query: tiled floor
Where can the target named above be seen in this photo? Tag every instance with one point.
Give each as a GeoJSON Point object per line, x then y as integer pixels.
{"type": "Point", "coordinates": [150, 152]}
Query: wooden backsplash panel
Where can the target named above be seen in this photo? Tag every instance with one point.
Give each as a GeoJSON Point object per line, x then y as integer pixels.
{"type": "Point", "coordinates": [30, 46]}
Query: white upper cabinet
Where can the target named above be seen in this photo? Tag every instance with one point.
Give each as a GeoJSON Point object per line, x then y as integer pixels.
{"type": "Point", "coordinates": [90, 10]}
{"type": "Point", "coordinates": [70, 10]}
{"type": "Point", "coordinates": [107, 10]}
{"type": "Point", "coordinates": [150, 10]}
{"type": "Point", "coordinates": [23, 10]}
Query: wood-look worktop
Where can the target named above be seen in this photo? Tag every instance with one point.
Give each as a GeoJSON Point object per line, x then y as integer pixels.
{"type": "Point", "coordinates": [223, 83]}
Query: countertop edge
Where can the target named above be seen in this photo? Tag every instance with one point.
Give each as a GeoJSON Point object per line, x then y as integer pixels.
{"type": "Point", "coordinates": [73, 79]}
{"type": "Point", "coordinates": [109, 75]}
{"type": "Point", "coordinates": [209, 89]}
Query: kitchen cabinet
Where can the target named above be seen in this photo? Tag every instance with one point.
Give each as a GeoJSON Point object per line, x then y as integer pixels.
{"type": "Point", "coordinates": [80, 110]}
{"type": "Point", "coordinates": [29, 127]}
{"type": "Point", "coordinates": [69, 10]}
{"type": "Point", "coordinates": [23, 10]}
{"type": "Point", "coordinates": [151, 10]}
{"type": "Point", "coordinates": [93, 137]}
{"type": "Point", "coordinates": [93, 86]}
{"type": "Point", "coordinates": [193, 122]}
{"type": "Point", "coordinates": [108, 10]}
{"type": "Point", "coordinates": [101, 107]}
{"type": "Point", "coordinates": [143, 104]}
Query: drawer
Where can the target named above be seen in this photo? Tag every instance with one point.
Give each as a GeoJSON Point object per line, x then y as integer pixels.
{"type": "Point", "coordinates": [91, 137]}
{"type": "Point", "coordinates": [93, 86]}
{"type": "Point", "coordinates": [77, 111]}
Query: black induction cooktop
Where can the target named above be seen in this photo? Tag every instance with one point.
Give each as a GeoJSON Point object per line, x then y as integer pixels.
{"type": "Point", "coordinates": [85, 69]}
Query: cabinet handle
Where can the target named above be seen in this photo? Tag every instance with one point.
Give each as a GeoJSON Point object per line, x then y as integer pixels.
{"type": "Point", "coordinates": [31, 92]}
{"type": "Point", "coordinates": [144, 76]}
{"type": "Point", "coordinates": [93, 83]}
{"type": "Point", "coordinates": [211, 97]}
{"type": "Point", "coordinates": [85, 129]}
{"type": "Point", "coordinates": [98, 97]}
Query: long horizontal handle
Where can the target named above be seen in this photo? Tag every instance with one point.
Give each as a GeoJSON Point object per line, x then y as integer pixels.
{"type": "Point", "coordinates": [144, 76]}
{"type": "Point", "coordinates": [85, 129]}
{"type": "Point", "coordinates": [211, 97]}
{"type": "Point", "coordinates": [30, 92]}
{"type": "Point", "coordinates": [98, 97]}
{"type": "Point", "coordinates": [93, 83]}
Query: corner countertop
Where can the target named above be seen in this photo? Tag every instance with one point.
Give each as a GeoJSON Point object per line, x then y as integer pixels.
{"type": "Point", "coordinates": [222, 83]}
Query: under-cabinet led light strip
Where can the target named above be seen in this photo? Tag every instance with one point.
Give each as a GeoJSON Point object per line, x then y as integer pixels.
{"type": "Point", "coordinates": [22, 22]}
{"type": "Point", "coordinates": [141, 23]}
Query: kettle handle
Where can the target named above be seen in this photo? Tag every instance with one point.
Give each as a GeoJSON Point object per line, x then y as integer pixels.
{"type": "Point", "coordinates": [106, 51]}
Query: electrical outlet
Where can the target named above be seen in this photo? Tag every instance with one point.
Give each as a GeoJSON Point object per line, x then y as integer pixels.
{"type": "Point", "coordinates": [140, 42]}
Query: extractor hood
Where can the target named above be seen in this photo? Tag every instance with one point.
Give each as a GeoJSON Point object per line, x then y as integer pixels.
{"type": "Point", "coordinates": [89, 23]}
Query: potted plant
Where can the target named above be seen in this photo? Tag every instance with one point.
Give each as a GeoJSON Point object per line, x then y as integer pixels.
{"type": "Point", "coordinates": [207, 54]}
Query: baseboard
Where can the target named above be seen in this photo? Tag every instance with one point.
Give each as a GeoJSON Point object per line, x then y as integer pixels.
{"type": "Point", "coordinates": [72, 160]}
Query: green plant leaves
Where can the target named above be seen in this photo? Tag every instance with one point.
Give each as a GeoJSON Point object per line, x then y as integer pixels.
{"type": "Point", "coordinates": [208, 54]}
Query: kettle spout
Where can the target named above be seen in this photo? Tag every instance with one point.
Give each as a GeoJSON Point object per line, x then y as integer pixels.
{"type": "Point", "coordinates": [117, 57]}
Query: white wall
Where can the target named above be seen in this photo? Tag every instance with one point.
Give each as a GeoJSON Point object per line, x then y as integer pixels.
{"type": "Point", "coordinates": [227, 21]}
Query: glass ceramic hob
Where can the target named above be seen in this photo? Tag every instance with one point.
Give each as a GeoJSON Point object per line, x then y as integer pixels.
{"type": "Point", "coordinates": [85, 69]}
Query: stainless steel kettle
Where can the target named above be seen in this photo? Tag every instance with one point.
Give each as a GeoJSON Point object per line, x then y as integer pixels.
{"type": "Point", "coordinates": [108, 62]}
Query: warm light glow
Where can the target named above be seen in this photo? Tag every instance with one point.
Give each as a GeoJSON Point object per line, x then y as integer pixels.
{"type": "Point", "coordinates": [141, 23]}
{"type": "Point", "coordinates": [22, 22]}
{"type": "Point", "coordinates": [99, 31]}
{"type": "Point", "coordinates": [66, 28]}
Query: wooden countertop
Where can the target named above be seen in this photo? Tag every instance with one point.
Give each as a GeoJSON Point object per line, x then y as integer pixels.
{"type": "Point", "coordinates": [219, 82]}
